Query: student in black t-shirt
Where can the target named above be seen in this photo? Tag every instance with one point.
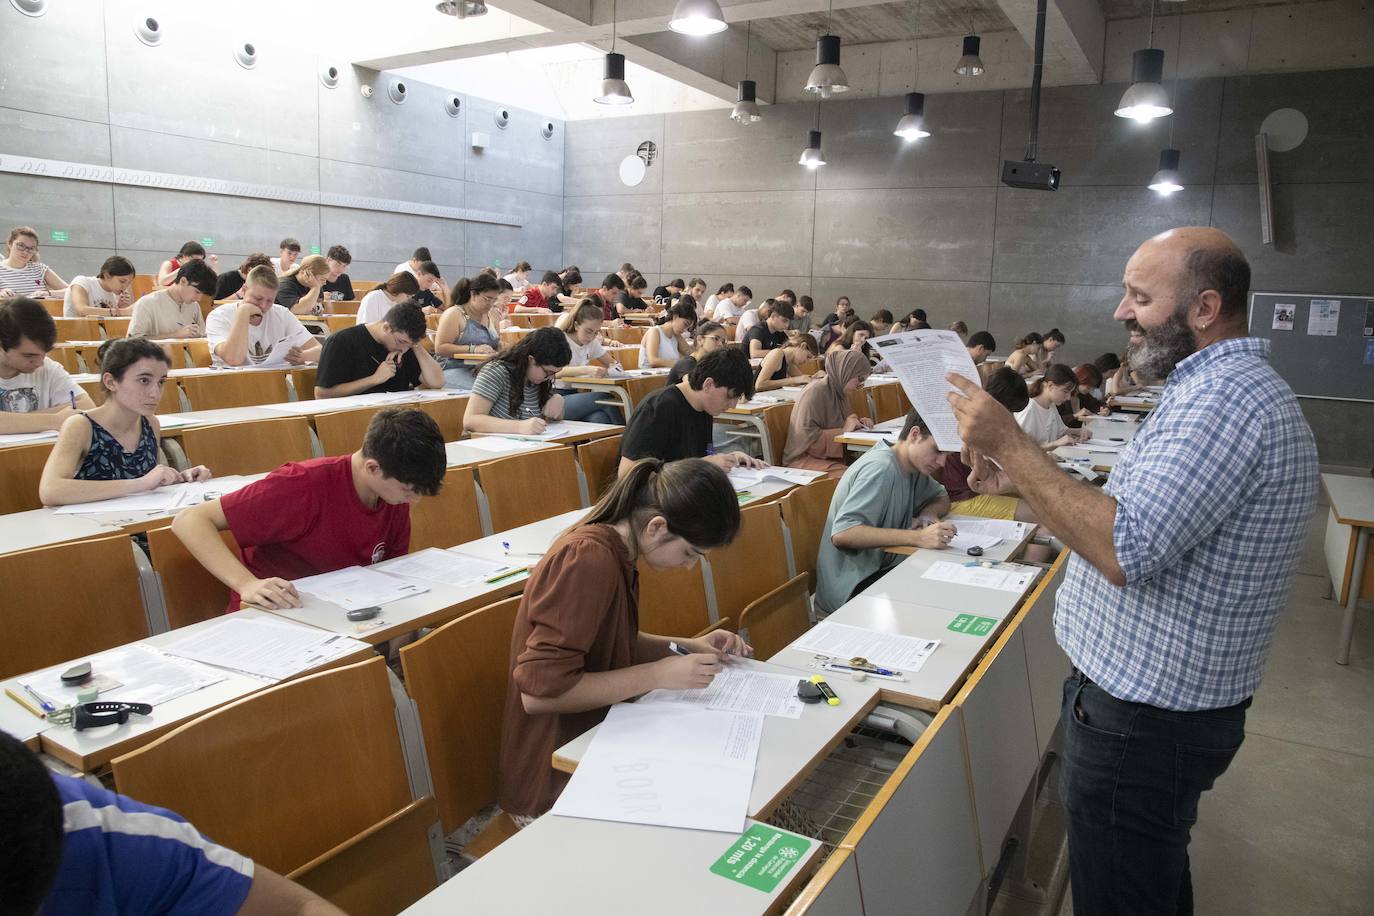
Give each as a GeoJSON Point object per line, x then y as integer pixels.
{"type": "Point", "coordinates": [230, 283]}
{"type": "Point", "coordinates": [675, 422]}
{"type": "Point", "coordinates": [382, 355]}
{"type": "Point", "coordinates": [709, 337]}
{"type": "Point", "coordinates": [667, 294]}
{"type": "Point", "coordinates": [337, 285]}
{"type": "Point", "coordinates": [433, 295]}
{"type": "Point", "coordinates": [771, 331]}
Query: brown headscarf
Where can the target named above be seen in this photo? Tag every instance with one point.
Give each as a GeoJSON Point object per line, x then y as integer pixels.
{"type": "Point", "coordinates": [824, 404]}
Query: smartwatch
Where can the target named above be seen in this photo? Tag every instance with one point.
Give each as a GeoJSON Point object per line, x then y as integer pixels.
{"type": "Point", "coordinates": [94, 715]}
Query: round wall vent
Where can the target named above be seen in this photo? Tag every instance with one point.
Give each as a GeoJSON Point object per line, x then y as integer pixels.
{"type": "Point", "coordinates": [547, 130]}
{"type": "Point", "coordinates": [33, 8]}
{"type": "Point", "coordinates": [149, 31]}
{"type": "Point", "coordinates": [329, 76]}
{"type": "Point", "coordinates": [246, 55]}
{"type": "Point", "coordinates": [502, 118]}
{"type": "Point", "coordinates": [396, 91]}
{"type": "Point", "coordinates": [453, 105]}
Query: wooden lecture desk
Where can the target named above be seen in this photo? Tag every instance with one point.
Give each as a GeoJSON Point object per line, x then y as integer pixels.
{"type": "Point", "coordinates": [1348, 527]}
{"type": "Point", "coordinates": [627, 390]}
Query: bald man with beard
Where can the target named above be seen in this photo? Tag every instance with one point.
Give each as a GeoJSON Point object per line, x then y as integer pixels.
{"type": "Point", "coordinates": [1180, 566]}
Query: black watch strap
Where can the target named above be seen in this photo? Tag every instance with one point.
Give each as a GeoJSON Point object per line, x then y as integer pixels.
{"type": "Point", "coordinates": [94, 715]}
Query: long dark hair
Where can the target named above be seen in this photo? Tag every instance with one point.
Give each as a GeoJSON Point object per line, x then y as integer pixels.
{"type": "Point", "coordinates": [467, 287]}
{"type": "Point", "coordinates": [680, 309]}
{"type": "Point", "coordinates": [549, 347]}
{"type": "Point", "coordinates": [694, 497]}
{"type": "Point", "coordinates": [847, 338]}
{"type": "Point", "coordinates": [1055, 374]}
{"type": "Point", "coordinates": [1031, 338]}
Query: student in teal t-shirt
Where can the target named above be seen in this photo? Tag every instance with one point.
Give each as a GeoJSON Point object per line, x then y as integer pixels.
{"type": "Point", "coordinates": [886, 499]}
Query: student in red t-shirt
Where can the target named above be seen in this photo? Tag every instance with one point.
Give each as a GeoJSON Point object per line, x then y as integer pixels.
{"type": "Point", "coordinates": [538, 300]}
{"type": "Point", "coordinates": [316, 516]}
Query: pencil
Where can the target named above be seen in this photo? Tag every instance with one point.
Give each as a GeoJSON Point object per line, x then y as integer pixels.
{"type": "Point", "coordinates": [24, 703]}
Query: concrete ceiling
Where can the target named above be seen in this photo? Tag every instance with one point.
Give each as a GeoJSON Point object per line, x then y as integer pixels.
{"type": "Point", "coordinates": [884, 22]}
{"type": "Point", "coordinates": [1133, 9]}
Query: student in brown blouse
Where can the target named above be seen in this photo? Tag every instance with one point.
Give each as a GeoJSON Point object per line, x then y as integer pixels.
{"type": "Point", "coordinates": [577, 648]}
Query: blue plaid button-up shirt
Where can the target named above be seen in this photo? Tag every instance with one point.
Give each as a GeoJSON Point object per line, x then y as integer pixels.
{"type": "Point", "coordinates": [1213, 497]}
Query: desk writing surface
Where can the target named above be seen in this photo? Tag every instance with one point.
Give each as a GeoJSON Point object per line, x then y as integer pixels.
{"type": "Point", "coordinates": [904, 583]}
{"type": "Point", "coordinates": [462, 453]}
{"type": "Point", "coordinates": [221, 416]}
{"type": "Point", "coordinates": [133, 522]}
{"type": "Point", "coordinates": [1102, 428]}
{"type": "Point", "coordinates": [574, 431]}
{"type": "Point", "coordinates": [942, 674]}
{"type": "Point", "coordinates": [1008, 548]}
{"type": "Point", "coordinates": [42, 528]}
{"type": "Point", "coordinates": [1351, 498]}
{"type": "Point", "coordinates": [536, 537]}
{"type": "Point", "coordinates": [789, 748]}
{"type": "Point", "coordinates": [95, 747]}
{"type": "Point", "coordinates": [18, 722]}
{"type": "Point", "coordinates": [569, 865]}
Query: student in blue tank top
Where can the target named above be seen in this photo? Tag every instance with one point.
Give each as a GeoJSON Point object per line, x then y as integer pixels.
{"type": "Point", "coordinates": [112, 450]}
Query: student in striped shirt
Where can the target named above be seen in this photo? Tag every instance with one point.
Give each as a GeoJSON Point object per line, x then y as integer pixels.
{"type": "Point", "coordinates": [21, 273]}
{"type": "Point", "coordinates": [513, 392]}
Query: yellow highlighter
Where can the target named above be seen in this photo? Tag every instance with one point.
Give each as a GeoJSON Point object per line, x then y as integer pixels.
{"type": "Point", "coordinates": [830, 696]}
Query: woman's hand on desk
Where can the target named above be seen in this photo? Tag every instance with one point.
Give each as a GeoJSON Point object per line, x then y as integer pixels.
{"type": "Point", "coordinates": [196, 474]}
{"type": "Point", "coordinates": [270, 594]}
{"type": "Point", "coordinates": [160, 476]}
{"type": "Point", "coordinates": [687, 672]}
{"type": "Point", "coordinates": [719, 642]}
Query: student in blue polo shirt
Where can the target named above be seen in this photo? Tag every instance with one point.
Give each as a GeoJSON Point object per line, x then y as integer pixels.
{"type": "Point", "coordinates": [72, 847]}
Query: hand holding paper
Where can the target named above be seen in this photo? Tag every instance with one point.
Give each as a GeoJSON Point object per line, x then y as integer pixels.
{"type": "Point", "coordinates": [927, 362]}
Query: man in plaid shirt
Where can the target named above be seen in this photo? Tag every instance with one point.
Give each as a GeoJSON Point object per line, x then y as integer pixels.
{"type": "Point", "coordinates": [1181, 564]}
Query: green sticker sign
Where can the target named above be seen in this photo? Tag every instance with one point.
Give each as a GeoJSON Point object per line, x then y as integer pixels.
{"type": "Point", "coordinates": [207, 242]}
{"type": "Point", "coordinates": [59, 235]}
{"type": "Point", "coordinates": [973, 626]}
{"type": "Point", "coordinates": [762, 857]}
{"type": "Point", "coordinates": [314, 249]}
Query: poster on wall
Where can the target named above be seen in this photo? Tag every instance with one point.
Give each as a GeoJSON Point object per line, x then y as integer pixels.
{"type": "Point", "coordinates": [1325, 315]}
{"type": "Point", "coordinates": [1283, 316]}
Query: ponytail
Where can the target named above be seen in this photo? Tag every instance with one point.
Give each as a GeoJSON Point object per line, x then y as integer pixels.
{"type": "Point", "coordinates": [466, 287]}
{"type": "Point", "coordinates": [1055, 374]}
{"type": "Point", "coordinates": [680, 309]}
{"type": "Point", "coordinates": [693, 496]}
{"type": "Point", "coordinates": [1031, 338]}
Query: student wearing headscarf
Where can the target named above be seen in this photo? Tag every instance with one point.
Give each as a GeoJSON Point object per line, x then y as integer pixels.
{"type": "Point", "coordinates": [823, 412]}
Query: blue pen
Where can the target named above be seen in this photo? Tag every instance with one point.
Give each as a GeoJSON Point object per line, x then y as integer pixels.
{"type": "Point", "coordinates": [71, 395]}
{"type": "Point", "coordinates": [505, 546]}
{"type": "Point", "coordinates": [47, 707]}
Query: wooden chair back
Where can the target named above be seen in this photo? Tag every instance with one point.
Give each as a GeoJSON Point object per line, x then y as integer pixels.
{"type": "Point", "coordinates": [89, 356]}
{"type": "Point", "coordinates": [458, 675]}
{"type": "Point", "coordinates": [337, 323]}
{"type": "Point", "coordinates": [55, 307]}
{"type": "Point", "coordinates": [530, 486]}
{"type": "Point", "coordinates": [626, 335]}
{"type": "Point", "coordinates": [363, 287]}
{"type": "Point", "coordinates": [77, 328]}
{"type": "Point", "coordinates": [344, 307]}
{"type": "Point", "coordinates": [887, 403]}
{"type": "Point", "coordinates": [190, 593]}
{"type": "Point", "coordinates": [171, 395]}
{"type": "Point", "coordinates": [779, 617]}
{"type": "Point", "coordinates": [48, 615]}
{"type": "Point", "coordinates": [65, 355]}
{"type": "Point", "coordinates": [382, 870]}
{"type": "Point", "coordinates": [753, 564]}
{"type": "Point", "coordinates": [21, 467]}
{"type": "Point", "coordinates": [628, 357]}
{"type": "Point", "coordinates": [198, 353]}
{"type": "Point", "coordinates": [803, 511]}
{"type": "Point", "coordinates": [450, 518]}
{"type": "Point", "coordinates": [303, 381]}
{"type": "Point", "coordinates": [858, 402]}
{"type": "Point", "coordinates": [222, 448]}
{"type": "Point", "coordinates": [284, 775]}
{"type": "Point", "coordinates": [448, 413]}
{"type": "Point", "coordinates": [143, 285]}
{"type": "Point", "coordinates": [672, 602]}
{"type": "Point", "coordinates": [777, 418]}
{"type": "Point", "coordinates": [342, 433]}
{"type": "Point", "coordinates": [600, 459]}
{"type": "Point", "coordinates": [207, 305]}
{"type": "Point", "coordinates": [116, 326]}
{"type": "Point", "coordinates": [217, 391]}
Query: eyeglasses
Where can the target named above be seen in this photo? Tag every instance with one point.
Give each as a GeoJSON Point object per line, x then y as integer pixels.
{"type": "Point", "coordinates": [29, 248]}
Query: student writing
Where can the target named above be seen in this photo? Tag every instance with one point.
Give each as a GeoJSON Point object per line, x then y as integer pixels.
{"type": "Point", "coordinates": [173, 311]}
{"type": "Point", "coordinates": [589, 359]}
{"type": "Point", "coordinates": [823, 412]}
{"type": "Point", "coordinates": [576, 648]}
{"type": "Point", "coordinates": [470, 327]}
{"type": "Point", "coordinates": [513, 392]}
{"type": "Point", "coordinates": [1040, 418]}
{"type": "Point", "coordinates": [107, 293]}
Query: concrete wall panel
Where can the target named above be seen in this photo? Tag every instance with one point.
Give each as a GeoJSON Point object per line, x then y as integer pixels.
{"type": "Point", "coordinates": [742, 232]}
{"type": "Point", "coordinates": [863, 153]}
{"type": "Point", "coordinates": [49, 137]}
{"type": "Point", "coordinates": [538, 239]}
{"type": "Point", "coordinates": [1082, 313]}
{"type": "Point", "coordinates": [151, 219]}
{"type": "Point", "coordinates": [593, 151]}
{"type": "Point", "coordinates": [352, 178]}
{"type": "Point", "coordinates": [154, 152]}
{"type": "Point", "coordinates": [927, 234]}
{"type": "Point", "coordinates": [81, 209]}
{"type": "Point", "coordinates": [1084, 233]}
{"type": "Point", "coordinates": [28, 79]}
{"type": "Point", "coordinates": [761, 157]}
{"type": "Point", "coordinates": [944, 301]}
{"type": "Point", "coordinates": [392, 236]}
{"type": "Point", "coordinates": [600, 233]}
{"type": "Point", "coordinates": [518, 157]}
{"type": "Point", "coordinates": [417, 136]}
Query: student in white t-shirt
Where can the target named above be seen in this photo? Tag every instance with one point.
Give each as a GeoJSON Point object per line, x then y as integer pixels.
{"type": "Point", "coordinates": [729, 309]}
{"type": "Point", "coordinates": [173, 312]}
{"type": "Point", "coordinates": [36, 393]}
{"type": "Point", "coordinates": [519, 278]}
{"type": "Point", "coordinates": [247, 333]}
{"type": "Point", "coordinates": [400, 287]}
{"type": "Point", "coordinates": [107, 293]}
{"type": "Point", "coordinates": [412, 266]}
{"type": "Point", "coordinates": [589, 360]}
{"type": "Point", "coordinates": [290, 253]}
{"type": "Point", "coordinates": [1041, 419]}
{"type": "Point", "coordinates": [725, 292]}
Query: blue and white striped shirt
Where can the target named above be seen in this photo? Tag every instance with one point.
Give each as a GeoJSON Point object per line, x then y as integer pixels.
{"type": "Point", "coordinates": [1213, 498]}
{"type": "Point", "coordinates": [120, 857]}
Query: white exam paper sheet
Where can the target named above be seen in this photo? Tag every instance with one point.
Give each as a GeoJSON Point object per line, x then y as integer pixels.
{"type": "Point", "coordinates": [743, 478]}
{"type": "Point", "coordinates": [667, 765]}
{"type": "Point", "coordinates": [435, 565]}
{"type": "Point", "coordinates": [921, 360]}
{"type": "Point", "coordinates": [738, 690]}
{"type": "Point", "coordinates": [886, 650]}
{"type": "Point", "coordinates": [358, 587]}
{"type": "Point", "coordinates": [24, 438]}
{"type": "Point", "coordinates": [262, 647]}
{"type": "Point", "coordinates": [163, 499]}
{"type": "Point", "coordinates": [1002, 529]}
{"type": "Point", "coordinates": [501, 444]}
{"type": "Point", "coordinates": [144, 674]}
{"type": "Point", "coordinates": [1009, 577]}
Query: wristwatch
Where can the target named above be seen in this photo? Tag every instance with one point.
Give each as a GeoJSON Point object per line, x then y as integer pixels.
{"type": "Point", "coordinates": [94, 715]}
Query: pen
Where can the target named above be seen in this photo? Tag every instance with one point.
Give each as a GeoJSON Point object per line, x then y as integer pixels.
{"type": "Point", "coordinates": [882, 672]}
{"type": "Point", "coordinates": [677, 650]}
{"type": "Point", "coordinates": [500, 575]}
{"type": "Point", "coordinates": [47, 707]}
{"type": "Point", "coordinates": [505, 546]}
{"type": "Point", "coordinates": [72, 395]}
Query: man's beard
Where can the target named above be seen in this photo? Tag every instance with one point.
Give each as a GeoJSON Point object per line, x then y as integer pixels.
{"type": "Point", "coordinates": [1164, 347]}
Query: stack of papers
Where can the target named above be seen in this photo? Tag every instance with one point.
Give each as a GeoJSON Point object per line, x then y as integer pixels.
{"type": "Point", "coordinates": [866, 435]}
{"type": "Point", "coordinates": [136, 673]}
{"type": "Point", "coordinates": [358, 587]}
{"type": "Point", "coordinates": [744, 478]}
{"type": "Point", "coordinates": [1008, 577]}
{"type": "Point", "coordinates": [739, 690]}
{"type": "Point", "coordinates": [886, 650]}
{"type": "Point", "coordinates": [503, 443]}
{"type": "Point", "coordinates": [164, 499]}
{"type": "Point", "coordinates": [1101, 445]}
{"type": "Point", "coordinates": [446, 566]}
{"type": "Point", "coordinates": [27, 438]}
{"type": "Point", "coordinates": [672, 766]}
{"type": "Point", "coordinates": [261, 646]}
{"type": "Point", "coordinates": [984, 532]}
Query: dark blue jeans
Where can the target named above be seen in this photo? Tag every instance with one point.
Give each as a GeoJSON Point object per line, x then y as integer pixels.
{"type": "Point", "coordinates": [1132, 776]}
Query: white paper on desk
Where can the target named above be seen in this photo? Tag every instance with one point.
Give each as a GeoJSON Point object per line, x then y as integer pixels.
{"type": "Point", "coordinates": [921, 360]}
{"type": "Point", "coordinates": [144, 675]}
{"type": "Point", "coordinates": [886, 650]}
{"type": "Point", "coordinates": [668, 765]}
{"type": "Point", "coordinates": [23, 438]}
{"type": "Point", "coordinates": [502, 444]}
{"type": "Point", "coordinates": [435, 565]}
{"type": "Point", "coordinates": [739, 690]}
{"type": "Point", "coordinates": [962, 541]}
{"type": "Point", "coordinates": [163, 499]}
{"type": "Point", "coordinates": [274, 649]}
{"type": "Point", "coordinates": [1001, 529]}
{"type": "Point", "coordinates": [1008, 577]}
{"type": "Point", "coordinates": [1102, 445]}
{"type": "Point", "coordinates": [357, 587]}
{"type": "Point", "coordinates": [742, 478]}
{"type": "Point", "coordinates": [866, 435]}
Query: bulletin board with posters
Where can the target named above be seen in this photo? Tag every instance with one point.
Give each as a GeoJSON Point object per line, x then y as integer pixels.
{"type": "Point", "coordinates": [1322, 344]}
